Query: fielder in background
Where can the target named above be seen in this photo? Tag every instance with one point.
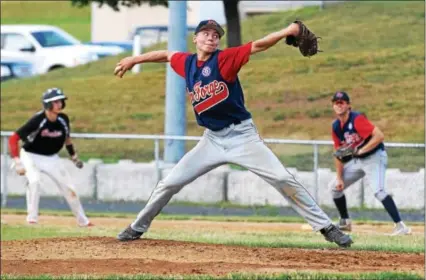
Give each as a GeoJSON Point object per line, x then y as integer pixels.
{"type": "Point", "coordinates": [231, 136]}
{"type": "Point", "coordinates": [367, 158]}
{"type": "Point", "coordinates": [44, 136]}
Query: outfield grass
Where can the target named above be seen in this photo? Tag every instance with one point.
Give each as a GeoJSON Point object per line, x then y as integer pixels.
{"type": "Point", "coordinates": [239, 276]}
{"type": "Point", "coordinates": [299, 239]}
{"type": "Point", "coordinates": [309, 240]}
{"type": "Point", "coordinates": [257, 218]}
{"type": "Point", "coordinates": [261, 213]}
{"type": "Point", "coordinates": [252, 218]}
{"type": "Point", "coordinates": [375, 52]}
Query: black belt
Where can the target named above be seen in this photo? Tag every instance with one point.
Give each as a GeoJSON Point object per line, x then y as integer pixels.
{"type": "Point", "coordinates": [236, 122]}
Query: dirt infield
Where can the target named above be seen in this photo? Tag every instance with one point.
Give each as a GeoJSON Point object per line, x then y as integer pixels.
{"type": "Point", "coordinates": [106, 256]}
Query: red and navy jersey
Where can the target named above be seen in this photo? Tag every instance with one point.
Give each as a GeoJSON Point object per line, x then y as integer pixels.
{"type": "Point", "coordinates": [356, 132]}
{"type": "Point", "coordinates": [213, 86]}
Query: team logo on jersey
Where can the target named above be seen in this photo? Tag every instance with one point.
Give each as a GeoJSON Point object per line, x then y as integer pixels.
{"type": "Point", "coordinates": [207, 96]}
{"type": "Point", "coordinates": [350, 126]}
{"type": "Point", "coordinates": [53, 134]}
{"type": "Point", "coordinates": [206, 71]}
{"type": "Point", "coordinates": [352, 138]}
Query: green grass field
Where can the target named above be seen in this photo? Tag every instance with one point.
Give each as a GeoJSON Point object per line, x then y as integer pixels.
{"type": "Point", "coordinates": [375, 52]}
{"type": "Point", "coordinates": [289, 276]}
{"type": "Point", "coordinates": [412, 244]}
{"type": "Point", "coordinates": [265, 239]}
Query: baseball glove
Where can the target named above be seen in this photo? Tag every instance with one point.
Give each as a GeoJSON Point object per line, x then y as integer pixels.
{"type": "Point", "coordinates": [345, 153]}
{"type": "Point", "coordinates": [306, 40]}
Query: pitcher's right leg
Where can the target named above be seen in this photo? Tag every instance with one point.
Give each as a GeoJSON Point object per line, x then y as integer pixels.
{"type": "Point", "coordinates": [259, 159]}
{"type": "Point", "coordinates": [205, 156]}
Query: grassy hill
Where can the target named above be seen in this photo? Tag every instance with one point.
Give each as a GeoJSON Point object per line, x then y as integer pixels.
{"type": "Point", "coordinates": [373, 50]}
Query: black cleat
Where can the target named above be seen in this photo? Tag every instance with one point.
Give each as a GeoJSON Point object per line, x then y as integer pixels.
{"type": "Point", "coordinates": [129, 234]}
{"type": "Point", "coordinates": [334, 234]}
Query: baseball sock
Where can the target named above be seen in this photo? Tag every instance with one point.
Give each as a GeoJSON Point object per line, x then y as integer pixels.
{"type": "Point", "coordinates": [390, 206]}
{"type": "Point", "coordinates": [341, 206]}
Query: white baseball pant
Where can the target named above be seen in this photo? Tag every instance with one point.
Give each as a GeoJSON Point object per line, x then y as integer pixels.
{"type": "Point", "coordinates": [239, 144]}
{"type": "Point", "coordinates": [52, 166]}
{"type": "Point", "coordinates": [372, 167]}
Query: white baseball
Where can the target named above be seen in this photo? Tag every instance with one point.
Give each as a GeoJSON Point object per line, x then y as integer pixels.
{"type": "Point", "coordinates": [117, 69]}
{"type": "Point", "coordinates": [306, 227]}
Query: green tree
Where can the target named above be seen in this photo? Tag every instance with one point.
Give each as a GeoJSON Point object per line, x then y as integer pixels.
{"type": "Point", "coordinates": [230, 6]}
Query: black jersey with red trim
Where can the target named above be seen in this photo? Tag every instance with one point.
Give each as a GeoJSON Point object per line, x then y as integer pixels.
{"type": "Point", "coordinates": [356, 132]}
{"type": "Point", "coordinates": [41, 136]}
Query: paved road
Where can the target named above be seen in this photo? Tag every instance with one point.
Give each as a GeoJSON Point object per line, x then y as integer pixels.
{"type": "Point", "coordinates": [48, 203]}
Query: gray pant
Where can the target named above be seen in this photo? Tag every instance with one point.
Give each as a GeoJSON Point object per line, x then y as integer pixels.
{"type": "Point", "coordinates": [373, 168]}
{"type": "Point", "coordinates": [239, 144]}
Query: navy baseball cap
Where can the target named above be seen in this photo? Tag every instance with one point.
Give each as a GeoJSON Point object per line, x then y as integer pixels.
{"type": "Point", "coordinates": [210, 23]}
{"type": "Point", "coordinates": [341, 95]}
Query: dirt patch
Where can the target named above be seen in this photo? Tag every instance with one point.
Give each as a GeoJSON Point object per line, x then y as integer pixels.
{"type": "Point", "coordinates": [106, 256]}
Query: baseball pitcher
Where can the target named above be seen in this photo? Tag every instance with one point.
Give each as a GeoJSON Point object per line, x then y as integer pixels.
{"type": "Point", "coordinates": [215, 91]}
{"type": "Point", "coordinates": [359, 152]}
{"type": "Point", "coordinates": [44, 135]}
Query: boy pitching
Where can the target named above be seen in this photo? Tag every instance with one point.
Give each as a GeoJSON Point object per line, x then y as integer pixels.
{"type": "Point", "coordinates": [231, 136]}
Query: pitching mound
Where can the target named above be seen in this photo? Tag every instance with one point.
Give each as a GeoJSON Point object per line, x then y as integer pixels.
{"type": "Point", "coordinates": [106, 256]}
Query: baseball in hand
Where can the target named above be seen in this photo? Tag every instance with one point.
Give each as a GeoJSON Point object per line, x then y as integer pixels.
{"type": "Point", "coordinates": [117, 69]}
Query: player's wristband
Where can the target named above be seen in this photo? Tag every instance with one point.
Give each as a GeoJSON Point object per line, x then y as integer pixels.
{"type": "Point", "coordinates": [70, 149]}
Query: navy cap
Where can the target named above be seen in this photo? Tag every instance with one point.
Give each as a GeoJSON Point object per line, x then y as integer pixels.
{"type": "Point", "coordinates": [210, 23]}
{"type": "Point", "coordinates": [341, 95]}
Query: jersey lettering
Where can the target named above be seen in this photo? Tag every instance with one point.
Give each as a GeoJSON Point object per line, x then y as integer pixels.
{"type": "Point", "coordinates": [53, 134]}
{"type": "Point", "coordinates": [352, 138]}
{"type": "Point", "coordinates": [210, 95]}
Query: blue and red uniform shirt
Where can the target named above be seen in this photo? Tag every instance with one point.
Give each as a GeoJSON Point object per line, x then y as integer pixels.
{"type": "Point", "coordinates": [356, 132]}
{"type": "Point", "coordinates": [213, 85]}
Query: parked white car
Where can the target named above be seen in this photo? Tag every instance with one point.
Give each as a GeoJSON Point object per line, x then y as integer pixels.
{"type": "Point", "coordinates": [49, 47]}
